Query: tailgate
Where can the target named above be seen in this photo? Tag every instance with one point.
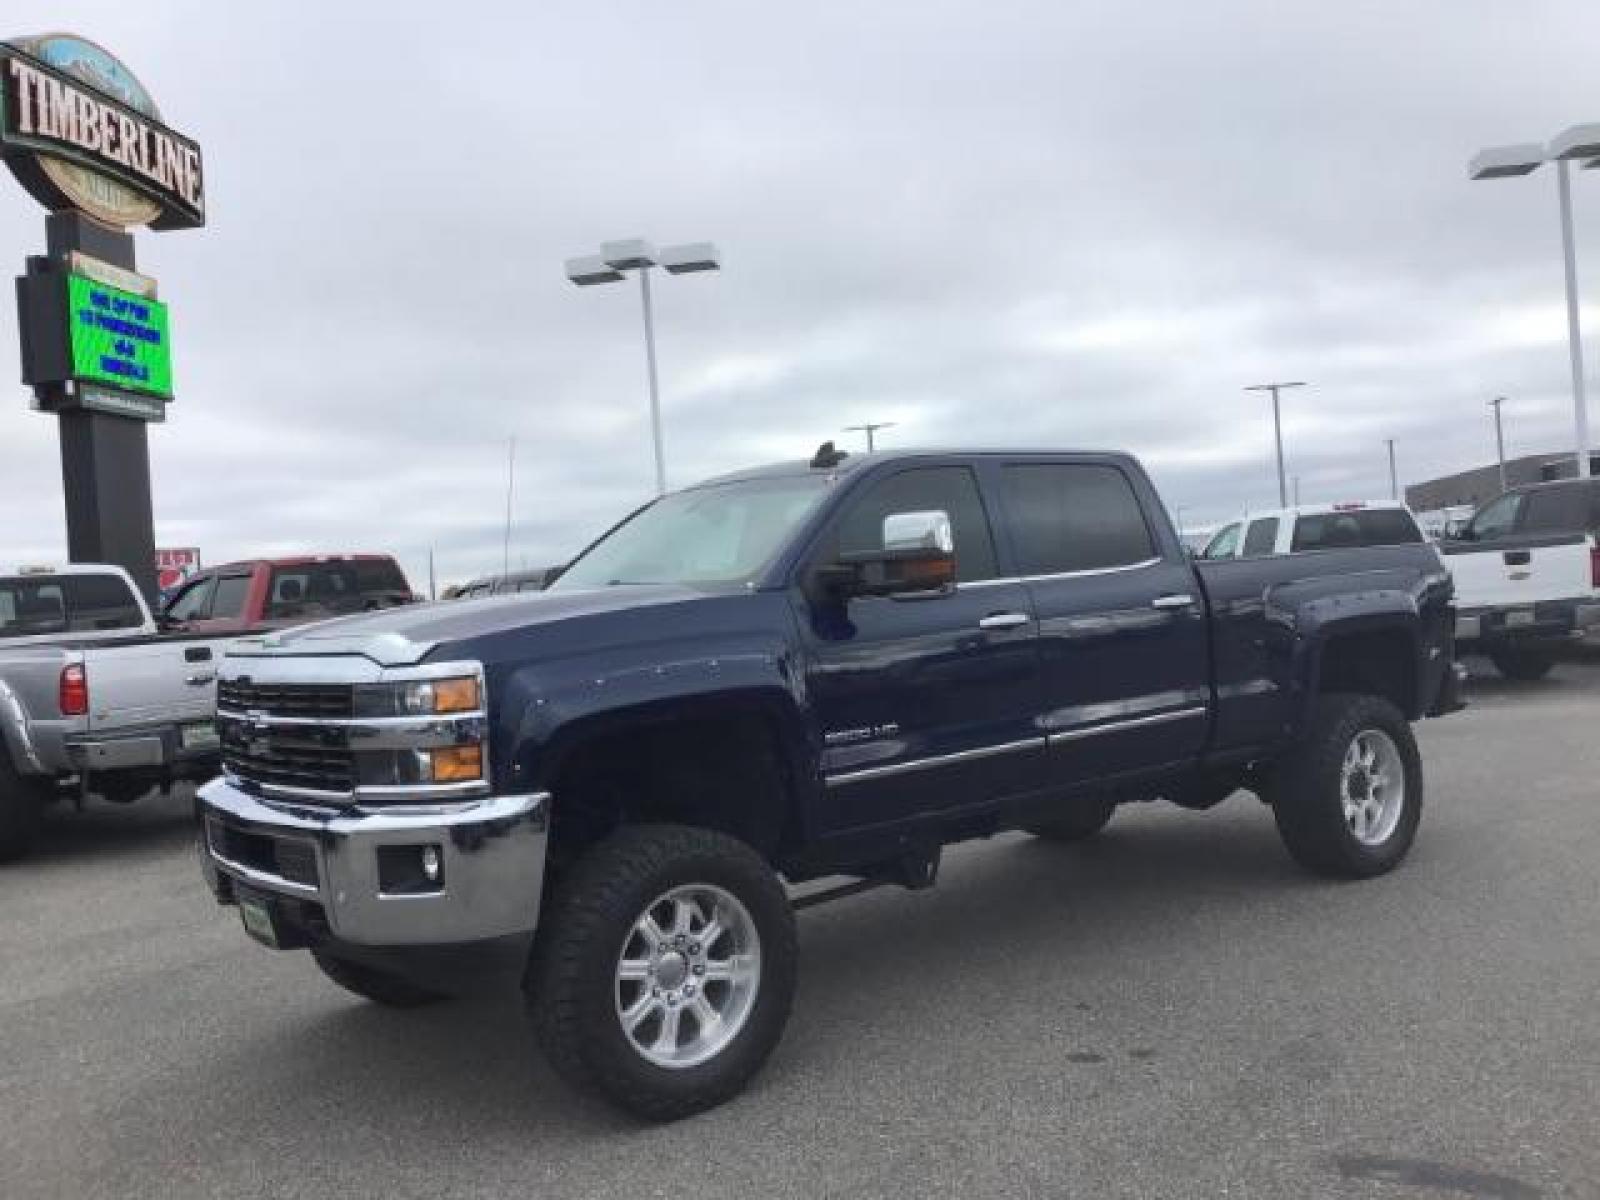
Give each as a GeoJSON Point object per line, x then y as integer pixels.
{"type": "Point", "coordinates": [1509, 574]}
{"type": "Point", "coordinates": [160, 681]}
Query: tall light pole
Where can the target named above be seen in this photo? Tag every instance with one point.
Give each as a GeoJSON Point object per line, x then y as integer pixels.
{"type": "Point", "coordinates": [511, 483]}
{"type": "Point", "coordinates": [1505, 162]}
{"type": "Point", "coordinates": [1394, 479]}
{"type": "Point", "coordinates": [870, 428]}
{"type": "Point", "coordinates": [1277, 430]}
{"type": "Point", "coordinates": [635, 254]}
{"type": "Point", "coordinates": [1499, 439]}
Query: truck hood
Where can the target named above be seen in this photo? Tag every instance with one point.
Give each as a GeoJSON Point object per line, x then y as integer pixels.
{"type": "Point", "coordinates": [403, 636]}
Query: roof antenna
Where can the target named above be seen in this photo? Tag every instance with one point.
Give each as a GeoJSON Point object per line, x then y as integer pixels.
{"type": "Point", "coordinates": [827, 456]}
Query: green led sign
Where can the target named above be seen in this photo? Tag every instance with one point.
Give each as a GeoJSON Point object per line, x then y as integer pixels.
{"type": "Point", "coordinates": [118, 338]}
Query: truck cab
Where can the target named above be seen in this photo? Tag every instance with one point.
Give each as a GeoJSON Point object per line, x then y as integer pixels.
{"type": "Point", "coordinates": [239, 597]}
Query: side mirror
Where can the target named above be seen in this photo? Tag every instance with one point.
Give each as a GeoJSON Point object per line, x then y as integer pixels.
{"type": "Point", "coordinates": [918, 558]}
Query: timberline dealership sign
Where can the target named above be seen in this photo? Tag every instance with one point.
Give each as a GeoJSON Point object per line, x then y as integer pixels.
{"type": "Point", "coordinates": [79, 130]}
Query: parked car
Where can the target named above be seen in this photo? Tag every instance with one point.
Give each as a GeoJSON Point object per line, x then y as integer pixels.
{"type": "Point", "coordinates": [535, 580]}
{"type": "Point", "coordinates": [804, 671]}
{"type": "Point", "coordinates": [1527, 571]}
{"type": "Point", "coordinates": [92, 697]}
{"type": "Point", "coordinates": [273, 593]}
{"type": "Point", "coordinates": [1314, 527]}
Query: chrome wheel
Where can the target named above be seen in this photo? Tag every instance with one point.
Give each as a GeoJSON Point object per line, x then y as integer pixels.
{"type": "Point", "coordinates": [1372, 785]}
{"type": "Point", "coordinates": [688, 975]}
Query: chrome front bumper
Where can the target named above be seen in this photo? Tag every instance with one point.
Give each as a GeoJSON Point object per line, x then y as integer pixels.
{"type": "Point", "coordinates": [492, 851]}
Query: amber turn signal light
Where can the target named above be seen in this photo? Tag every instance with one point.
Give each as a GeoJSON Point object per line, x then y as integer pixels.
{"type": "Point", "coordinates": [456, 764]}
{"type": "Point", "coordinates": [455, 695]}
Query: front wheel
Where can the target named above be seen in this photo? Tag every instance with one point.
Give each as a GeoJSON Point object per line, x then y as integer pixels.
{"type": "Point", "coordinates": [1521, 663]}
{"type": "Point", "coordinates": [1348, 798]}
{"type": "Point", "coordinates": [664, 970]}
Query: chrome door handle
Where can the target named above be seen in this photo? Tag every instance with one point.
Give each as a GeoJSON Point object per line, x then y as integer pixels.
{"type": "Point", "coordinates": [1179, 600]}
{"type": "Point", "coordinates": [1003, 621]}
{"type": "Point", "coordinates": [200, 678]}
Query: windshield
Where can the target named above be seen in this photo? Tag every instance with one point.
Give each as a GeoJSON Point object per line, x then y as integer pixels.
{"type": "Point", "coordinates": [725, 533]}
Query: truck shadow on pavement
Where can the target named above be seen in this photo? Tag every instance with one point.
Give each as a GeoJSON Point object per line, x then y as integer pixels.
{"type": "Point", "coordinates": [1002, 908]}
{"type": "Point", "coordinates": [102, 830]}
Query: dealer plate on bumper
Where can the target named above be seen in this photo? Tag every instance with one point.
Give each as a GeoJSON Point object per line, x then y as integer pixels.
{"type": "Point", "coordinates": [259, 921]}
{"type": "Point", "coordinates": [1519, 618]}
{"type": "Point", "coordinates": [199, 735]}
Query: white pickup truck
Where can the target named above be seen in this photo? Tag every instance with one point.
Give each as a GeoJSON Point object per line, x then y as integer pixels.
{"type": "Point", "coordinates": [92, 697]}
{"type": "Point", "coordinates": [1527, 572]}
{"type": "Point", "coordinates": [1308, 527]}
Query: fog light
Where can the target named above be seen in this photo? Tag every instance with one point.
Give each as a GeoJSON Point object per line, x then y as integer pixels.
{"type": "Point", "coordinates": [430, 863]}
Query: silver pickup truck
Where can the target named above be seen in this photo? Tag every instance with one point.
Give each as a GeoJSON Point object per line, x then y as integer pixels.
{"type": "Point", "coordinates": [92, 698]}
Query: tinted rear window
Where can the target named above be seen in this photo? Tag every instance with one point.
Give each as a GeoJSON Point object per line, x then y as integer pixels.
{"type": "Point", "coordinates": [1364, 527]}
{"type": "Point", "coordinates": [1075, 518]}
{"type": "Point", "coordinates": [42, 604]}
{"type": "Point", "coordinates": [333, 588]}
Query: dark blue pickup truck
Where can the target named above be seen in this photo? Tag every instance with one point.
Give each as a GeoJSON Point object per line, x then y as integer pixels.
{"type": "Point", "coordinates": [816, 671]}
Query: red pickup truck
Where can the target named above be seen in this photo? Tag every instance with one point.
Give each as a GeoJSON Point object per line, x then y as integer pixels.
{"type": "Point", "coordinates": [270, 593]}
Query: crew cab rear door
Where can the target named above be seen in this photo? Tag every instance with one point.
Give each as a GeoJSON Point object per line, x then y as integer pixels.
{"type": "Point", "coordinates": [925, 702]}
{"type": "Point", "coordinates": [1124, 668]}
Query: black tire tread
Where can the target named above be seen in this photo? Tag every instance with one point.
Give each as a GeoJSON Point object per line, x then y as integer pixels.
{"type": "Point", "coordinates": [1305, 803]}
{"type": "Point", "coordinates": [21, 802]}
{"type": "Point", "coordinates": [587, 910]}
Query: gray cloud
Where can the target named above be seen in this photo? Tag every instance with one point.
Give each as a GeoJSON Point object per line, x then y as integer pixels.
{"type": "Point", "coordinates": [1029, 223]}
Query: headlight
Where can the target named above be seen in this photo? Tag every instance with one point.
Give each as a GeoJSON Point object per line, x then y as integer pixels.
{"type": "Point", "coordinates": [420, 698]}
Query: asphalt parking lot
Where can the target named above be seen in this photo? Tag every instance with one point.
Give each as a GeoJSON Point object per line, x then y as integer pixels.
{"type": "Point", "coordinates": [1172, 1011]}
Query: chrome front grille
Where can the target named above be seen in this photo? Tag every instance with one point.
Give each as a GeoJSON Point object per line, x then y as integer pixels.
{"type": "Point", "coordinates": [331, 701]}
{"type": "Point", "coordinates": [268, 758]}
{"type": "Point", "coordinates": [331, 730]}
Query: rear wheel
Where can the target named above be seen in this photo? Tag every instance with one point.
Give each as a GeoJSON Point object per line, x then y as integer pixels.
{"type": "Point", "coordinates": [1522, 663]}
{"type": "Point", "coordinates": [1083, 819]}
{"type": "Point", "coordinates": [664, 970]}
{"type": "Point", "coordinates": [371, 983]}
{"type": "Point", "coordinates": [1348, 799]}
{"type": "Point", "coordinates": [22, 799]}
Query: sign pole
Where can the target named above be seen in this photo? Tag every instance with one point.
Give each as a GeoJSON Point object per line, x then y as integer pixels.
{"type": "Point", "coordinates": [105, 459]}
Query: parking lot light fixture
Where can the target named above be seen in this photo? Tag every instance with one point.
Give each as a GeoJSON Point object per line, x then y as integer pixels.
{"type": "Point", "coordinates": [1580, 143]}
{"type": "Point", "coordinates": [1277, 431]}
{"type": "Point", "coordinates": [612, 265]}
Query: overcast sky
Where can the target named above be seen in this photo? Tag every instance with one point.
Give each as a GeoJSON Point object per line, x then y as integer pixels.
{"type": "Point", "coordinates": [1025, 223]}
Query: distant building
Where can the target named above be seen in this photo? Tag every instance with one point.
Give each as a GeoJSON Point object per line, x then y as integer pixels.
{"type": "Point", "coordinates": [1480, 484]}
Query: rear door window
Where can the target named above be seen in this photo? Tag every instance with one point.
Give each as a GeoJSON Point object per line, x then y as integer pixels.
{"type": "Point", "coordinates": [1360, 527]}
{"type": "Point", "coordinates": [1072, 517]}
{"type": "Point", "coordinates": [1261, 539]}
